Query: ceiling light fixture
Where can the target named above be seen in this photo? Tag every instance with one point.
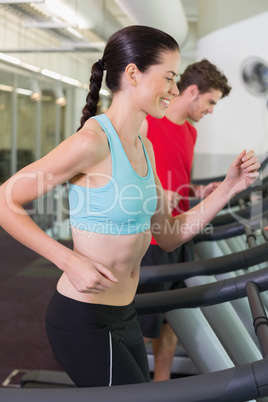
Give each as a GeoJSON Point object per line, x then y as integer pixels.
{"type": "Point", "coordinates": [23, 91]}
{"type": "Point", "coordinates": [9, 59]}
{"type": "Point", "coordinates": [6, 88]}
{"type": "Point", "coordinates": [70, 81]}
{"type": "Point", "coordinates": [50, 73]}
{"type": "Point", "coordinates": [104, 92]}
{"type": "Point", "coordinates": [30, 67]}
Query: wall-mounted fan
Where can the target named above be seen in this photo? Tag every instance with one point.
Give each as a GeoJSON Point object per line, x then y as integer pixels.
{"type": "Point", "coordinates": [255, 76]}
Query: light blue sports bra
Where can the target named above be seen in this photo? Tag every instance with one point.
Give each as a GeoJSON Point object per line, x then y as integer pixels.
{"type": "Point", "coordinates": [125, 204]}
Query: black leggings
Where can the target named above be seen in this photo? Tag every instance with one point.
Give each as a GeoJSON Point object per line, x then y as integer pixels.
{"type": "Point", "coordinates": [97, 345]}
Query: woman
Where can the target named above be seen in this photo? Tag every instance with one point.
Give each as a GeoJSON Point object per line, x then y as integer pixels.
{"type": "Point", "coordinates": [116, 203]}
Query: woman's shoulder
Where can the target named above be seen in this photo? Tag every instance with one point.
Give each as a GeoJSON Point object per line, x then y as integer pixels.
{"type": "Point", "coordinates": [91, 138]}
{"type": "Point", "coordinates": [81, 150]}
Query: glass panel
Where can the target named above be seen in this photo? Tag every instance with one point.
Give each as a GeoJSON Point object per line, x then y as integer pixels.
{"type": "Point", "coordinates": [5, 126]}
{"type": "Point", "coordinates": [49, 121]}
{"type": "Point", "coordinates": [62, 123]}
{"type": "Point", "coordinates": [40, 124]}
{"type": "Point", "coordinates": [26, 108]}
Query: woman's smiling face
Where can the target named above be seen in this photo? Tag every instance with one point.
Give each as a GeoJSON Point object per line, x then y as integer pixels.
{"type": "Point", "coordinates": [157, 85]}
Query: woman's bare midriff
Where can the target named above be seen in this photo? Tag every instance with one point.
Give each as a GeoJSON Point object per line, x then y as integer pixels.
{"type": "Point", "coordinates": [121, 254]}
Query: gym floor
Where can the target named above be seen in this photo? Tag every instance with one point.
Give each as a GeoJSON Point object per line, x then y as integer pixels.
{"type": "Point", "coordinates": [27, 282]}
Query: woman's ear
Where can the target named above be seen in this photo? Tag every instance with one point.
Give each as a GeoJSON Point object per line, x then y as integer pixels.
{"type": "Point", "coordinates": [132, 74]}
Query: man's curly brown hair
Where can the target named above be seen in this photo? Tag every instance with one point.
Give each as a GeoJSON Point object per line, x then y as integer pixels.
{"type": "Point", "coordinates": [205, 76]}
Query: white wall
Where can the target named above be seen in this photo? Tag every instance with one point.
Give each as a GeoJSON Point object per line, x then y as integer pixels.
{"type": "Point", "coordinates": [240, 120]}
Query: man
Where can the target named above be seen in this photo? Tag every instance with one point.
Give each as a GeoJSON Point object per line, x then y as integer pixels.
{"type": "Point", "coordinates": [201, 86]}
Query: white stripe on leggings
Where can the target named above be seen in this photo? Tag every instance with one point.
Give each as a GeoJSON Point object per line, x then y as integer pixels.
{"type": "Point", "coordinates": [111, 359]}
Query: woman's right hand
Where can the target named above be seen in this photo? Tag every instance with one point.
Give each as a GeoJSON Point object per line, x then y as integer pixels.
{"type": "Point", "coordinates": [242, 173]}
{"type": "Point", "coordinates": [88, 276]}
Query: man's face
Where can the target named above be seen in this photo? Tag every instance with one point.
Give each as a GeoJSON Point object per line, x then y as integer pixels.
{"type": "Point", "coordinates": [203, 104]}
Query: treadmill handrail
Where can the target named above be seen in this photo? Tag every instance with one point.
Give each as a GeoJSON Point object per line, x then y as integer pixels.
{"type": "Point", "coordinates": [212, 233]}
{"type": "Point", "coordinates": [259, 186]}
{"type": "Point", "coordinates": [236, 384]}
{"type": "Point", "coordinates": [210, 266]}
{"type": "Point", "coordinates": [201, 295]}
{"type": "Point", "coordinates": [245, 213]}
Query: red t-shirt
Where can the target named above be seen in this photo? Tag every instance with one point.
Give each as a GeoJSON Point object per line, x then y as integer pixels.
{"type": "Point", "coordinates": [174, 151]}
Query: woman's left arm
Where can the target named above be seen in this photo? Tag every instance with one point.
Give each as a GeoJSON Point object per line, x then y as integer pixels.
{"type": "Point", "coordinates": [170, 232]}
